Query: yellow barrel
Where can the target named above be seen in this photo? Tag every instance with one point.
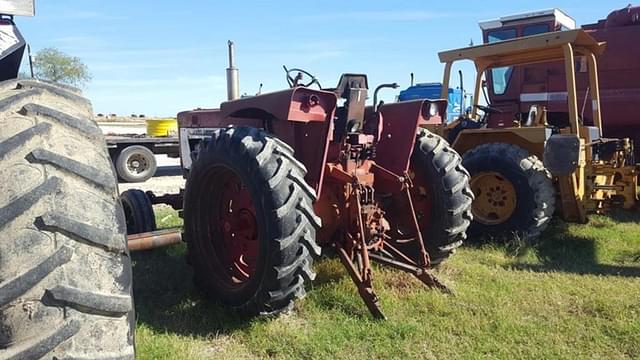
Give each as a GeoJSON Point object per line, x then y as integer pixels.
{"type": "Point", "coordinates": [161, 127]}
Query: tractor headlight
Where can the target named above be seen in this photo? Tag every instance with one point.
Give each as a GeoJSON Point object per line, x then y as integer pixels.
{"type": "Point", "coordinates": [433, 109]}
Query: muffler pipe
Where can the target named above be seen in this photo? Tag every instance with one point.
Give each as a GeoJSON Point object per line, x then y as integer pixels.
{"type": "Point", "coordinates": [380, 87]}
{"type": "Point", "coordinates": [233, 81]}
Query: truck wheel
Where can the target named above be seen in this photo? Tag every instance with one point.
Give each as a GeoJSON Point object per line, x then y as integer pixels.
{"type": "Point", "coordinates": [65, 272]}
{"type": "Point", "coordinates": [441, 195]}
{"type": "Point", "coordinates": [138, 211]}
{"type": "Point", "coordinates": [136, 163]}
{"type": "Point", "coordinates": [514, 192]}
{"type": "Point", "coordinates": [249, 222]}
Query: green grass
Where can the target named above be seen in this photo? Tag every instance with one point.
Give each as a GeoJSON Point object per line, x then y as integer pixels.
{"type": "Point", "coordinates": [576, 294]}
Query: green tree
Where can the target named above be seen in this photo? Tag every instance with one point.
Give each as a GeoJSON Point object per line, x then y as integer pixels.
{"type": "Point", "coordinates": [54, 65]}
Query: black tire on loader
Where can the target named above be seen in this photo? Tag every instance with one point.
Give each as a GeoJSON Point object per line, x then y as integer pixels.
{"type": "Point", "coordinates": [441, 195]}
{"type": "Point", "coordinates": [246, 195]}
{"type": "Point", "coordinates": [65, 272]}
{"type": "Point", "coordinates": [138, 211]}
{"type": "Point", "coordinates": [515, 196]}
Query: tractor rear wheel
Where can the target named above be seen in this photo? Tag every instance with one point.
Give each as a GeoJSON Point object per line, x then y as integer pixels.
{"type": "Point", "coordinates": [441, 195]}
{"type": "Point", "coordinates": [514, 193]}
{"type": "Point", "coordinates": [65, 272]}
{"type": "Point", "coordinates": [249, 222]}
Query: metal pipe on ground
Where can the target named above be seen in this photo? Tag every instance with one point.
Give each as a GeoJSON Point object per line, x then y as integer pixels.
{"type": "Point", "coordinates": [154, 239]}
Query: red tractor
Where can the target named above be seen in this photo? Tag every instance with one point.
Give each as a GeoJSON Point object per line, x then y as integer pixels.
{"type": "Point", "coordinates": [275, 178]}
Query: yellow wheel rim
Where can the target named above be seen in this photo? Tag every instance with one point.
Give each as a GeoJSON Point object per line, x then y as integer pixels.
{"type": "Point", "coordinates": [495, 198]}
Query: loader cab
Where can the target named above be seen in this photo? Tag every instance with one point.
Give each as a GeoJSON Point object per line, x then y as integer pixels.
{"type": "Point", "coordinates": [561, 47]}
{"type": "Point", "coordinates": [510, 88]}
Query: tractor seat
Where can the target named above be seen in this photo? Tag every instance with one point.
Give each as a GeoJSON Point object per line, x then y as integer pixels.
{"type": "Point", "coordinates": [353, 89]}
{"type": "Point", "coordinates": [347, 82]}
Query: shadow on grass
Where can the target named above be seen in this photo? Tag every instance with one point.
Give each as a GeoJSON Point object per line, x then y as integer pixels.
{"type": "Point", "coordinates": [624, 216]}
{"type": "Point", "coordinates": [559, 251]}
{"type": "Point", "coordinates": [573, 254]}
{"type": "Point", "coordinates": [167, 301]}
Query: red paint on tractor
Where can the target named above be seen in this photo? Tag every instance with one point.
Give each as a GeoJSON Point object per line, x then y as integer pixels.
{"type": "Point", "coordinates": [300, 116]}
{"type": "Point", "coordinates": [357, 160]}
{"type": "Point", "coordinates": [239, 229]}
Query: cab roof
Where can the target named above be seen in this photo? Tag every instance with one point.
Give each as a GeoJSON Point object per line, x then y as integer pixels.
{"type": "Point", "coordinates": [526, 50]}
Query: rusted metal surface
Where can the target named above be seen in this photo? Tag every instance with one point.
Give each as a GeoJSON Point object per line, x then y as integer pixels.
{"type": "Point", "coordinates": [297, 104]}
{"type": "Point", "coordinates": [154, 239]}
{"type": "Point", "coordinates": [311, 144]}
{"type": "Point", "coordinates": [398, 134]}
{"type": "Point", "coordinates": [355, 221]}
{"type": "Point", "coordinates": [356, 159]}
{"type": "Point", "coordinates": [300, 117]}
{"type": "Point", "coordinates": [239, 228]}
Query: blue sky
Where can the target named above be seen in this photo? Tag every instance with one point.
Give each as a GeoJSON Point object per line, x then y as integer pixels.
{"type": "Point", "coordinates": [158, 58]}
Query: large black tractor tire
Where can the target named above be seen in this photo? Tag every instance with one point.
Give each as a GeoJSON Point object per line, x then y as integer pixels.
{"type": "Point", "coordinates": [284, 222]}
{"type": "Point", "coordinates": [136, 163]}
{"type": "Point", "coordinates": [65, 272]}
{"type": "Point", "coordinates": [441, 185]}
{"type": "Point", "coordinates": [138, 211]}
{"type": "Point", "coordinates": [528, 186]}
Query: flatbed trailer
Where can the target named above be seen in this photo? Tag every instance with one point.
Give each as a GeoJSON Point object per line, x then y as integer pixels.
{"type": "Point", "coordinates": [133, 155]}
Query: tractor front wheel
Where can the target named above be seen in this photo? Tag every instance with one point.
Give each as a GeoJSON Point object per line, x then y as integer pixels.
{"type": "Point", "coordinates": [514, 192]}
{"type": "Point", "coordinates": [441, 195]}
{"type": "Point", "coordinates": [249, 222]}
{"type": "Point", "coordinates": [138, 211]}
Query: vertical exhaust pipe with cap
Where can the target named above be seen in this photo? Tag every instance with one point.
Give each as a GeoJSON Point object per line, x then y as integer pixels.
{"type": "Point", "coordinates": [233, 81]}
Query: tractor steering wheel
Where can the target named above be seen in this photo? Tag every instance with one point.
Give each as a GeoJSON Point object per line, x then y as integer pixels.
{"type": "Point", "coordinates": [296, 81]}
{"type": "Point", "coordinates": [488, 109]}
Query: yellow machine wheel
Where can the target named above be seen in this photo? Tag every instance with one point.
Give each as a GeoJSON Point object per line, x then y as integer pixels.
{"type": "Point", "coordinates": [514, 193]}
{"type": "Point", "coordinates": [496, 198]}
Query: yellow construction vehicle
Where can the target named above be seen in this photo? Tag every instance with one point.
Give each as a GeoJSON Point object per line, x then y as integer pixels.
{"type": "Point", "coordinates": [521, 169]}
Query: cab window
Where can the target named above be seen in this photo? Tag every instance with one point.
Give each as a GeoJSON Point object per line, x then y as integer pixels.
{"type": "Point", "coordinates": [535, 29]}
{"type": "Point", "coordinates": [501, 76]}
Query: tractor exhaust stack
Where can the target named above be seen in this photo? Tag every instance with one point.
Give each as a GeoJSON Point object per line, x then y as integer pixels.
{"type": "Point", "coordinates": [233, 82]}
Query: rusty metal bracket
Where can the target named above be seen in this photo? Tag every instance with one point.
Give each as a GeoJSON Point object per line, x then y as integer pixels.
{"type": "Point", "coordinates": [420, 273]}
{"type": "Point", "coordinates": [365, 288]}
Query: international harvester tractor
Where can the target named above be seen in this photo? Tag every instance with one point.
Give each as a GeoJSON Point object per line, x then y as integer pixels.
{"type": "Point", "coordinates": [274, 179]}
